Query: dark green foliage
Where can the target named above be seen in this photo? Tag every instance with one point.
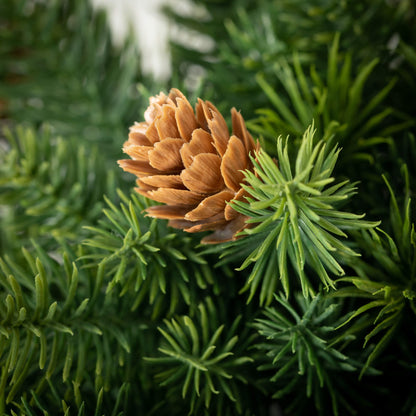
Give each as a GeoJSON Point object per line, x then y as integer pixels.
{"type": "Point", "coordinates": [261, 34]}
{"type": "Point", "coordinates": [147, 259]}
{"type": "Point", "coordinates": [58, 65]}
{"type": "Point", "coordinates": [105, 311]}
{"type": "Point", "coordinates": [338, 106]}
{"type": "Point", "coordinates": [298, 339]}
{"type": "Point", "coordinates": [200, 359]}
{"type": "Point", "coordinates": [207, 22]}
{"type": "Point", "coordinates": [34, 404]}
{"type": "Point", "coordinates": [387, 282]}
{"type": "Point", "coordinates": [54, 327]}
{"type": "Point", "coordinates": [49, 186]}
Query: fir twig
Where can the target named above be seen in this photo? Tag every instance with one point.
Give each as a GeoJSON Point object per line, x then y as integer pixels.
{"type": "Point", "coordinates": [295, 220]}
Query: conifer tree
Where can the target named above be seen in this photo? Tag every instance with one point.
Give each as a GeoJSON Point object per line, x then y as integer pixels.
{"type": "Point", "coordinates": [264, 261]}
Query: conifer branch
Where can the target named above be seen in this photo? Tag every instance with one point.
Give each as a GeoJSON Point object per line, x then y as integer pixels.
{"type": "Point", "coordinates": [33, 403]}
{"type": "Point", "coordinates": [295, 220]}
{"type": "Point", "coordinates": [47, 313]}
{"type": "Point", "coordinates": [335, 105]}
{"type": "Point", "coordinates": [48, 186]}
{"type": "Point", "coordinates": [200, 361]}
{"type": "Point", "coordinates": [144, 258]}
{"type": "Point", "coordinates": [388, 285]}
{"type": "Point", "coordinates": [298, 340]}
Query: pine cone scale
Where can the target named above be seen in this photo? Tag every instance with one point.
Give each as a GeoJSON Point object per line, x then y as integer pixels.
{"type": "Point", "coordinates": [240, 130]}
{"type": "Point", "coordinates": [140, 152]}
{"type": "Point", "coordinates": [204, 174]}
{"type": "Point", "coordinates": [210, 206]}
{"type": "Point", "coordinates": [234, 161]}
{"type": "Point", "coordinates": [175, 196]}
{"type": "Point", "coordinates": [163, 181]}
{"type": "Point", "coordinates": [152, 134]}
{"type": "Point", "coordinates": [166, 125]}
{"type": "Point", "coordinates": [139, 168]}
{"type": "Point", "coordinates": [185, 119]}
{"type": "Point", "coordinates": [138, 137]}
{"type": "Point", "coordinates": [202, 114]}
{"type": "Point", "coordinates": [165, 156]}
{"type": "Point", "coordinates": [200, 143]}
{"type": "Point", "coordinates": [207, 224]}
{"type": "Point", "coordinates": [219, 131]}
{"type": "Point", "coordinates": [168, 212]}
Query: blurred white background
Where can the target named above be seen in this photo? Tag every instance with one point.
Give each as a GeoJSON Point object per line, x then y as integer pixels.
{"type": "Point", "coordinates": [152, 29]}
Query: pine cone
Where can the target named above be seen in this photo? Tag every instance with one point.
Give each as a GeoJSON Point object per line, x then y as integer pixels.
{"type": "Point", "coordinates": [189, 162]}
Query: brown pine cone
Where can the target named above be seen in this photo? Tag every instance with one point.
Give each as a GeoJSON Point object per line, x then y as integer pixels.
{"type": "Point", "coordinates": [189, 162]}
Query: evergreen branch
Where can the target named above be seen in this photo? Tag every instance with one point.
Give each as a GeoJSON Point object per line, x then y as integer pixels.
{"type": "Point", "coordinates": [251, 37]}
{"type": "Point", "coordinates": [390, 303]}
{"type": "Point", "coordinates": [48, 186]}
{"type": "Point", "coordinates": [296, 339]}
{"type": "Point", "coordinates": [32, 403]}
{"type": "Point", "coordinates": [293, 214]}
{"type": "Point", "coordinates": [335, 105]}
{"type": "Point", "coordinates": [200, 360]}
{"type": "Point", "coordinates": [49, 314]}
{"type": "Point", "coordinates": [144, 258]}
{"type": "Point", "coordinates": [389, 284]}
